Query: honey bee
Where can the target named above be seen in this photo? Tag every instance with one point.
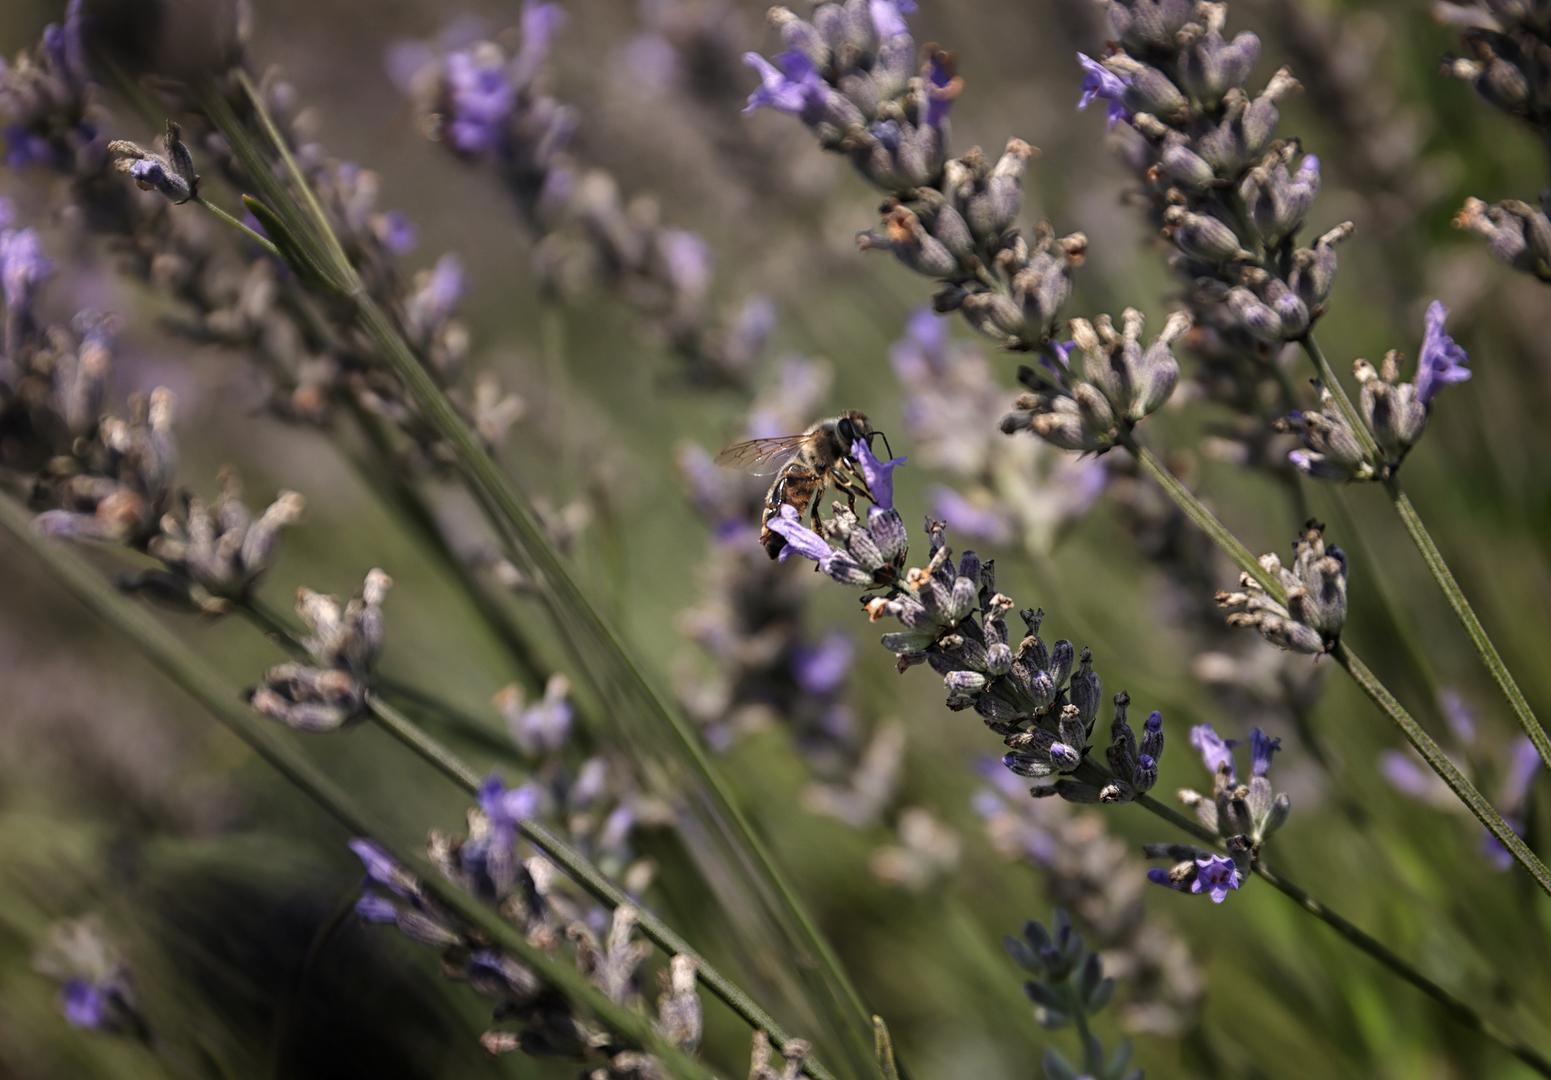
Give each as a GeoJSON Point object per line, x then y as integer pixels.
{"type": "Point", "coordinates": [803, 465]}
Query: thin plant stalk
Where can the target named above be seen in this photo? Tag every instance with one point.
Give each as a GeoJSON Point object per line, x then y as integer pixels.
{"type": "Point", "coordinates": [1439, 568]}
{"type": "Point", "coordinates": [1436, 564]}
{"type": "Point", "coordinates": [1369, 683]}
{"type": "Point", "coordinates": [601, 661]}
{"type": "Point", "coordinates": [196, 677]}
{"type": "Point", "coordinates": [1354, 935]}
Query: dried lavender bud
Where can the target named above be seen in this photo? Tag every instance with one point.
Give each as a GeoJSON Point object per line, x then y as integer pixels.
{"type": "Point", "coordinates": [1118, 385]}
{"type": "Point", "coordinates": [1516, 232]}
{"type": "Point", "coordinates": [951, 219]}
{"type": "Point", "coordinates": [96, 986]}
{"type": "Point", "coordinates": [1315, 611]}
{"type": "Point", "coordinates": [215, 554]}
{"type": "Point", "coordinates": [344, 645]}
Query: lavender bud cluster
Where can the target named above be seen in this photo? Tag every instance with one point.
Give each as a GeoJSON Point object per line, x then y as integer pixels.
{"type": "Point", "coordinates": [848, 73]}
{"type": "Point", "coordinates": [170, 174]}
{"type": "Point", "coordinates": [1067, 984]}
{"type": "Point", "coordinates": [344, 644]}
{"type": "Point", "coordinates": [486, 104]}
{"type": "Point", "coordinates": [1310, 619]}
{"type": "Point", "coordinates": [1243, 815]}
{"type": "Point", "coordinates": [46, 98]}
{"type": "Point", "coordinates": [528, 892]}
{"type": "Point", "coordinates": [1394, 412]}
{"type": "Point", "coordinates": [1508, 61]}
{"type": "Point", "coordinates": [1118, 384]}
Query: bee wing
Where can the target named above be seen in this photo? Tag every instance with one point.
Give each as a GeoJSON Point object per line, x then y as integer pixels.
{"type": "Point", "coordinates": [761, 457]}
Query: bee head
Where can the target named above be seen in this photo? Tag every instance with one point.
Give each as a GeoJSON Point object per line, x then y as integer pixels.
{"type": "Point", "coordinates": [854, 425]}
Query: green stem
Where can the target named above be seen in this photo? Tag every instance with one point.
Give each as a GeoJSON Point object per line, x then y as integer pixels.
{"type": "Point", "coordinates": [1439, 568]}
{"type": "Point", "coordinates": [1456, 1008]}
{"type": "Point", "coordinates": [574, 863]}
{"type": "Point", "coordinates": [1093, 1063]}
{"type": "Point", "coordinates": [227, 219]}
{"type": "Point", "coordinates": [178, 662]}
{"type": "Point", "coordinates": [1203, 518]}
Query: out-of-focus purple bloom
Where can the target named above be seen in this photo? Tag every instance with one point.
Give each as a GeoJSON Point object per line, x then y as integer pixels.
{"type": "Point", "coordinates": [397, 232]}
{"type": "Point", "coordinates": [790, 85]}
{"type": "Point", "coordinates": [1461, 720]}
{"type": "Point", "coordinates": [1100, 82]}
{"type": "Point", "coordinates": [1216, 875]}
{"type": "Point", "coordinates": [821, 669]}
{"type": "Point", "coordinates": [1522, 763]}
{"type": "Point", "coordinates": [24, 148]}
{"type": "Point", "coordinates": [1216, 752]}
{"type": "Point", "coordinates": [543, 727]}
{"type": "Point", "coordinates": [540, 23]}
{"type": "Point", "coordinates": [1261, 748]}
{"type": "Point", "coordinates": [1406, 776]}
{"type": "Point", "coordinates": [23, 266]}
{"type": "Point", "coordinates": [967, 518]}
{"type": "Point", "coordinates": [1442, 360]}
{"type": "Point", "coordinates": [380, 867]}
{"type": "Point", "coordinates": [923, 351]}
{"type": "Point", "coordinates": [443, 289]}
{"type": "Point", "coordinates": [376, 909]}
{"type": "Point", "coordinates": [878, 474]}
{"type": "Point", "coordinates": [688, 261]}
{"type": "Point", "coordinates": [481, 99]}
{"type": "Point", "coordinates": [508, 807]}
{"type": "Point", "coordinates": [84, 1004]}
{"type": "Point", "coordinates": [888, 17]}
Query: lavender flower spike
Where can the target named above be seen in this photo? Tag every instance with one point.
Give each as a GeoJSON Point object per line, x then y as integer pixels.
{"type": "Point", "coordinates": [1442, 360]}
{"type": "Point", "coordinates": [1100, 82]}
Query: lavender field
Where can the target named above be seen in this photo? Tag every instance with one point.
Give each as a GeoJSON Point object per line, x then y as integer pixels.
{"type": "Point", "coordinates": [887, 539]}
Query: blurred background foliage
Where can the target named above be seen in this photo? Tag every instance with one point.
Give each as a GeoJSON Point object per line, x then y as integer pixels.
{"type": "Point", "coordinates": [119, 797]}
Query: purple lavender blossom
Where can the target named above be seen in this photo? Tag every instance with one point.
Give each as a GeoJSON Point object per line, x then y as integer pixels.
{"type": "Point", "coordinates": [376, 909]}
{"type": "Point", "coordinates": [482, 98]}
{"type": "Point", "coordinates": [1442, 360]}
{"type": "Point", "coordinates": [1407, 777]}
{"type": "Point", "coordinates": [84, 1004]}
{"type": "Point", "coordinates": [443, 289]}
{"type": "Point", "coordinates": [397, 232]}
{"type": "Point", "coordinates": [23, 266]}
{"type": "Point", "coordinates": [879, 475]}
{"type": "Point", "coordinates": [791, 85]}
{"type": "Point", "coordinates": [1460, 717]}
{"type": "Point", "coordinates": [381, 869]}
{"type": "Point", "coordinates": [800, 539]}
{"type": "Point", "coordinates": [1216, 752]}
{"type": "Point", "coordinates": [1261, 748]}
{"type": "Point", "coordinates": [1100, 82]}
{"type": "Point", "coordinates": [540, 23]}
{"type": "Point", "coordinates": [688, 261]}
{"type": "Point", "coordinates": [923, 351]}
{"type": "Point", "coordinates": [820, 669]}
{"type": "Point", "coordinates": [1216, 875]}
{"type": "Point", "coordinates": [888, 17]}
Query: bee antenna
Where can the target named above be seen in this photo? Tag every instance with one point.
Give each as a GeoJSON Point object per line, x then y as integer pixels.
{"type": "Point", "coordinates": [887, 449]}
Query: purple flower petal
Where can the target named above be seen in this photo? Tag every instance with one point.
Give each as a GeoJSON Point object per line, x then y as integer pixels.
{"type": "Point", "coordinates": [1216, 875]}
{"type": "Point", "coordinates": [799, 538]}
{"type": "Point", "coordinates": [1216, 752]}
{"type": "Point", "coordinates": [1442, 360]}
{"type": "Point", "coordinates": [789, 85]}
{"type": "Point", "coordinates": [1100, 82]}
{"type": "Point", "coordinates": [879, 475]}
